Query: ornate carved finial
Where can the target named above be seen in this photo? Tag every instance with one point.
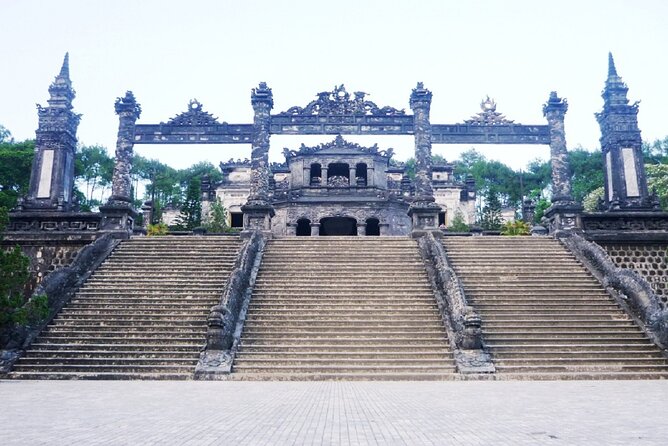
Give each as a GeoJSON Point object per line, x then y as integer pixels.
{"type": "Point", "coordinates": [127, 105]}
{"type": "Point", "coordinates": [339, 102]}
{"type": "Point", "coordinates": [555, 105]}
{"type": "Point", "coordinates": [420, 94]}
{"type": "Point", "coordinates": [338, 143]}
{"type": "Point", "coordinates": [612, 71]}
{"type": "Point", "coordinates": [488, 115]}
{"type": "Point", "coordinates": [262, 94]}
{"type": "Point", "coordinates": [195, 115]}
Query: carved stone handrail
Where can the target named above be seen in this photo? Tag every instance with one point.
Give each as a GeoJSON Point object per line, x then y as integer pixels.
{"type": "Point", "coordinates": [470, 353]}
{"type": "Point", "coordinates": [59, 287]}
{"type": "Point", "coordinates": [225, 318]}
{"type": "Point", "coordinates": [627, 285]}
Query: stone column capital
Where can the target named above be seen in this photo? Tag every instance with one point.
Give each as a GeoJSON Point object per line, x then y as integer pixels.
{"type": "Point", "coordinates": [127, 106]}
{"type": "Point", "coordinates": [555, 108]}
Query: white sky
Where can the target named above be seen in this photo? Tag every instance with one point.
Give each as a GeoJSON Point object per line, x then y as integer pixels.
{"type": "Point", "coordinates": [168, 52]}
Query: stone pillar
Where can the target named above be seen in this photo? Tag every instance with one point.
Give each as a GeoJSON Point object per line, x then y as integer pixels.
{"type": "Point", "coordinates": [352, 181]}
{"type": "Point", "coordinates": [323, 175]}
{"type": "Point", "coordinates": [315, 229]}
{"type": "Point", "coordinates": [423, 210]}
{"type": "Point", "coordinates": [555, 111]}
{"type": "Point", "coordinates": [621, 144]}
{"type": "Point", "coordinates": [258, 210]}
{"type": "Point", "coordinates": [118, 212]}
{"type": "Point", "coordinates": [52, 175]}
{"type": "Point", "coordinates": [361, 228]}
{"type": "Point", "coordinates": [564, 213]}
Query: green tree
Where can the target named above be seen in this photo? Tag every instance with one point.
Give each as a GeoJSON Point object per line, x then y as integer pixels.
{"type": "Point", "coordinates": [458, 224]}
{"type": "Point", "coordinates": [490, 217]}
{"type": "Point", "coordinates": [191, 210]}
{"type": "Point", "coordinates": [216, 221]}
{"type": "Point", "coordinates": [657, 181]}
{"type": "Point", "coordinates": [15, 166]}
{"type": "Point", "coordinates": [5, 135]}
{"type": "Point", "coordinates": [587, 172]}
{"type": "Point", "coordinates": [94, 168]}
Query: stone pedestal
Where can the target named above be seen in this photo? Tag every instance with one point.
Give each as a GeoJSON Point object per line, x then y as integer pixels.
{"type": "Point", "coordinates": [257, 217]}
{"type": "Point", "coordinates": [361, 229]}
{"type": "Point", "coordinates": [118, 216]}
{"type": "Point", "coordinates": [315, 229]}
{"type": "Point", "coordinates": [424, 218]}
{"type": "Point", "coordinates": [563, 216]}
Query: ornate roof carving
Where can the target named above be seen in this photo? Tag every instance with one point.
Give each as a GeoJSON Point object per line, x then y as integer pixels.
{"type": "Point", "coordinates": [488, 115]}
{"type": "Point", "coordinates": [232, 163]}
{"type": "Point", "coordinates": [194, 116]}
{"type": "Point", "coordinates": [340, 143]}
{"type": "Point", "coordinates": [339, 102]}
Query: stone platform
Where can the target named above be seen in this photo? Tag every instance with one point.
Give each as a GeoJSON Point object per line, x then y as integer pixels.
{"type": "Point", "coordinates": [334, 413]}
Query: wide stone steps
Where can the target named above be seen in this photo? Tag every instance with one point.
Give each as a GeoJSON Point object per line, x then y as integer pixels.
{"type": "Point", "coordinates": [141, 315]}
{"type": "Point", "coordinates": [343, 308]}
{"type": "Point", "coordinates": [544, 316]}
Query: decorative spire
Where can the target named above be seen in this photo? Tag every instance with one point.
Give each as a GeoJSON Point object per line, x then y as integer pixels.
{"type": "Point", "coordinates": [65, 69]}
{"type": "Point", "coordinates": [61, 90]}
{"type": "Point", "coordinates": [614, 93]}
{"type": "Point", "coordinates": [612, 71]}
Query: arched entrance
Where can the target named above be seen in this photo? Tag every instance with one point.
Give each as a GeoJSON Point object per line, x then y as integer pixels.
{"type": "Point", "coordinates": [338, 226]}
{"type": "Point", "coordinates": [372, 226]}
{"type": "Point", "coordinates": [303, 227]}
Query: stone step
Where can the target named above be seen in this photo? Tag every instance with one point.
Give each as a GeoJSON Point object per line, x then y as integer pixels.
{"type": "Point", "coordinates": [105, 376]}
{"type": "Point", "coordinates": [106, 368]}
{"type": "Point", "coordinates": [189, 348]}
{"type": "Point", "coordinates": [600, 367]}
{"type": "Point", "coordinates": [545, 329]}
{"type": "Point", "coordinates": [572, 353]}
{"type": "Point", "coordinates": [340, 347]}
{"type": "Point", "coordinates": [344, 368]}
{"type": "Point", "coordinates": [64, 330]}
{"type": "Point", "coordinates": [143, 339]}
{"type": "Point", "coordinates": [546, 339]}
{"type": "Point", "coordinates": [383, 339]}
{"type": "Point", "coordinates": [621, 360]}
{"type": "Point", "coordinates": [246, 363]}
{"type": "Point", "coordinates": [547, 348]}
{"type": "Point", "coordinates": [67, 354]}
{"type": "Point", "coordinates": [334, 356]}
{"type": "Point", "coordinates": [376, 375]}
{"type": "Point", "coordinates": [166, 320]}
{"type": "Point", "coordinates": [125, 314]}
{"type": "Point", "coordinates": [594, 325]}
{"type": "Point", "coordinates": [341, 323]}
{"type": "Point", "coordinates": [336, 331]}
{"type": "Point", "coordinates": [83, 361]}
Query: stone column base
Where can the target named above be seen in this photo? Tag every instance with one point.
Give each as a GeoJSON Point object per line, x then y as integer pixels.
{"type": "Point", "coordinates": [563, 216]}
{"type": "Point", "coordinates": [257, 217]}
{"type": "Point", "coordinates": [424, 218]}
{"type": "Point", "coordinates": [118, 216]}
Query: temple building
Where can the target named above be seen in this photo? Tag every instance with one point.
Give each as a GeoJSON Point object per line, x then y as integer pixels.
{"type": "Point", "coordinates": [340, 188]}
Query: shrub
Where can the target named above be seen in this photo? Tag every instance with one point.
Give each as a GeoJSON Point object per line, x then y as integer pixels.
{"type": "Point", "coordinates": [517, 227]}
{"type": "Point", "coordinates": [458, 224]}
{"type": "Point", "coordinates": [157, 229]}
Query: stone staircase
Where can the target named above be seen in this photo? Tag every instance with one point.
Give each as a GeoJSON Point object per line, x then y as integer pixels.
{"type": "Point", "coordinates": [141, 315]}
{"type": "Point", "coordinates": [343, 308]}
{"type": "Point", "coordinates": [544, 316]}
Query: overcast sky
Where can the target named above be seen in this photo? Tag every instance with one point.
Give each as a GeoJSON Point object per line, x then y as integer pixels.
{"type": "Point", "coordinates": [168, 52]}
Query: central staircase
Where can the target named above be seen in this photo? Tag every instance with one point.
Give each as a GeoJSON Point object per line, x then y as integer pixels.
{"type": "Point", "coordinates": [343, 308]}
{"type": "Point", "coordinates": [544, 316]}
{"type": "Point", "coordinates": [141, 315]}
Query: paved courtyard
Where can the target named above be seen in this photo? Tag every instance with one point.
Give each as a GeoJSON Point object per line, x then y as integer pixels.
{"type": "Point", "coordinates": [334, 413]}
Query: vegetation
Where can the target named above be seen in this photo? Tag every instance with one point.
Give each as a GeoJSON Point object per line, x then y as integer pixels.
{"type": "Point", "coordinates": [458, 224]}
{"type": "Point", "coordinates": [490, 216]}
{"type": "Point", "coordinates": [216, 221]}
{"type": "Point", "coordinates": [157, 229]}
{"type": "Point", "coordinates": [517, 227]}
{"type": "Point", "coordinates": [191, 210]}
{"type": "Point", "coordinates": [15, 308]}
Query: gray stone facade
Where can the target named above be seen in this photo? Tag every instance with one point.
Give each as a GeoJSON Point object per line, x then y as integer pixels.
{"type": "Point", "coordinates": [354, 185]}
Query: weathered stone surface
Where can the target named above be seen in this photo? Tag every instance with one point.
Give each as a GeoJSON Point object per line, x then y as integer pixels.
{"type": "Point", "coordinates": [621, 144]}
{"type": "Point", "coordinates": [128, 111]}
{"type": "Point", "coordinates": [630, 288]}
{"type": "Point", "coordinates": [555, 110]}
{"type": "Point", "coordinates": [52, 176]}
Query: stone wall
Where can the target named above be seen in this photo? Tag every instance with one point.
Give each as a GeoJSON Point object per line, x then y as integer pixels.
{"type": "Point", "coordinates": [648, 259]}
{"type": "Point", "coordinates": [46, 255]}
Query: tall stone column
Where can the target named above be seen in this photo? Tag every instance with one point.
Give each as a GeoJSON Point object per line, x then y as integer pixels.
{"type": "Point", "coordinates": [52, 175]}
{"type": "Point", "coordinates": [119, 213]}
{"type": "Point", "coordinates": [423, 210]}
{"type": "Point", "coordinates": [128, 112]}
{"type": "Point", "coordinates": [564, 213]}
{"type": "Point", "coordinates": [258, 210]}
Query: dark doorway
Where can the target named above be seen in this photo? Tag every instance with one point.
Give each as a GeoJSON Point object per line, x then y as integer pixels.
{"type": "Point", "coordinates": [441, 218]}
{"type": "Point", "coordinates": [303, 227]}
{"type": "Point", "coordinates": [372, 226]}
{"type": "Point", "coordinates": [360, 174]}
{"type": "Point", "coordinates": [236, 219]}
{"type": "Point", "coordinates": [338, 226]}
